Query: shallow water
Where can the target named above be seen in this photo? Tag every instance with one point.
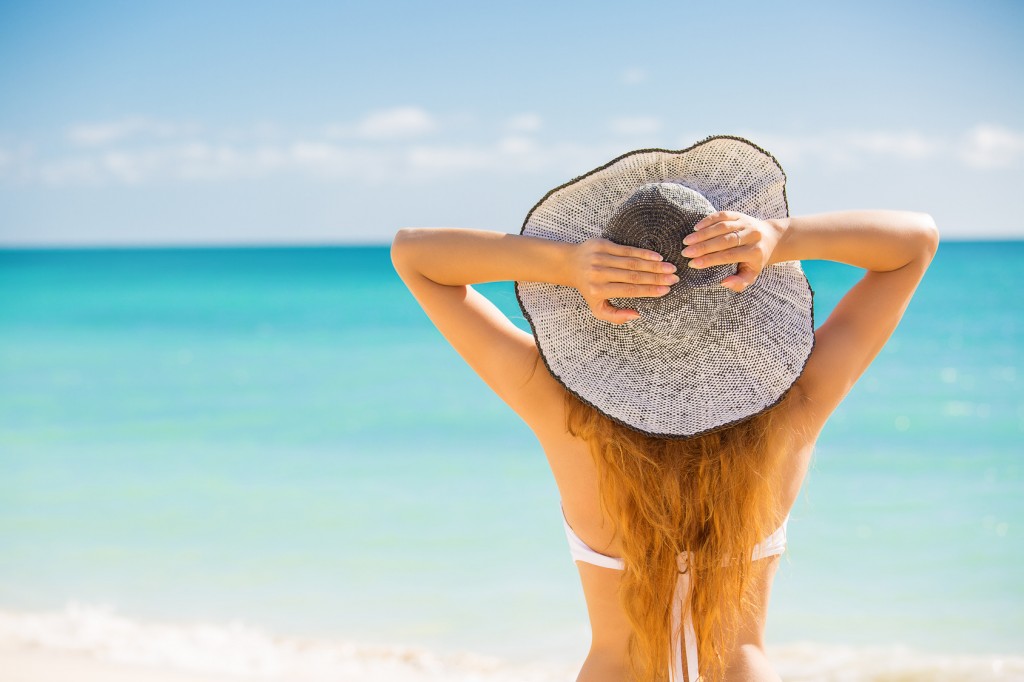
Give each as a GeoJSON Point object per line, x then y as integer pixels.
{"type": "Point", "coordinates": [279, 436]}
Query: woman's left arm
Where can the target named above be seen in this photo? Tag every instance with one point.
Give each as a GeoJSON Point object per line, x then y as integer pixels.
{"type": "Point", "coordinates": [439, 265]}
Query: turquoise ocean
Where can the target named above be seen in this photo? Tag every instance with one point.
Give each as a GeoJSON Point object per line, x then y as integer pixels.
{"type": "Point", "coordinates": [228, 459]}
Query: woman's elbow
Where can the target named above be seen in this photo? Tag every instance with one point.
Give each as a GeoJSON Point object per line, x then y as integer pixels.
{"type": "Point", "coordinates": [921, 235]}
{"type": "Point", "coordinates": [929, 234]}
{"type": "Point", "coordinates": [402, 247]}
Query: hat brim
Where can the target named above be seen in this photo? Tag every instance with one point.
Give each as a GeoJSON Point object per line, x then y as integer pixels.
{"type": "Point", "coordinates": [740, 364]}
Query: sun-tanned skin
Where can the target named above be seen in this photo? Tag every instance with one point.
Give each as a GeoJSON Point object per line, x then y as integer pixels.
{"type": "Point", "coordinates": [438, 265]}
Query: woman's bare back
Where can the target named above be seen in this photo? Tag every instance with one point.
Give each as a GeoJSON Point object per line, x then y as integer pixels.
{"type": "Point", "coordinates": [438, 265]}
{"type": "Point", "coordinates": [576, 477]}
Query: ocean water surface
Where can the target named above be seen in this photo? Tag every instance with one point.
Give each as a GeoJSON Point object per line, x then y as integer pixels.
{"type": "Point", "coordinates": [277, 440]}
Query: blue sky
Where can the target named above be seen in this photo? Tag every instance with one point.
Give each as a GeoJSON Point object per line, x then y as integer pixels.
{"type": "Point", "coordinates": [268, 122]}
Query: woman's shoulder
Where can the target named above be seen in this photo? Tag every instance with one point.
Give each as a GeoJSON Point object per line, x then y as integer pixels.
{"type": "Point", "coordinates": [543, 406]}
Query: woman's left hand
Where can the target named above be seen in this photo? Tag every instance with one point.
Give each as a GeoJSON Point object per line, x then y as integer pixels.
{"type": "Point", "coordinates": [601, 270]}
{"type": "Point", "coordinates": [733, 237]}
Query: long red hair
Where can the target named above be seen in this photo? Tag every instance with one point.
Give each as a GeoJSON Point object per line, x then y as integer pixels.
{"type": "Point", "coordinates": [713, 495]}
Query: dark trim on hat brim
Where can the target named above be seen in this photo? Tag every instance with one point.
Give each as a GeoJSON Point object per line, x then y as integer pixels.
{"type": "Point", "coordinates": [670, 436]}
{"type": "Point", "coordinates": [785, 198]}
{"type": "Point", "coordinates": [533, 328]}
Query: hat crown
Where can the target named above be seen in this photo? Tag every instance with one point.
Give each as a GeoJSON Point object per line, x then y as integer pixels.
{"type": "Point", "coordinates": [657, 216]}
{"type": "Point", "coordinates": [658, 374]}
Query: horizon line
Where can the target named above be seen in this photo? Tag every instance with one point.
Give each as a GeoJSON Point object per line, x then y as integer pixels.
{"type": "Point", "coordinates": [196, 245]}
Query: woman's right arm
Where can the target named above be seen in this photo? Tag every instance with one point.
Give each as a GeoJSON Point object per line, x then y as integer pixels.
{"type": "Point", "coordinates": [895, 247]}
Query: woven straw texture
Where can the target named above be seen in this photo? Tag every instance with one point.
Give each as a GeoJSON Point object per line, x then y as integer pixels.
{"type": "Point", "coordinates": [701, 357]}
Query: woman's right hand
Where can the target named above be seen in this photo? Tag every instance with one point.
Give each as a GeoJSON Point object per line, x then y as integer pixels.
{"type": "Point", "coordinates": [601, 269]}
{"type": "Point", "coordinates": [733, 237]}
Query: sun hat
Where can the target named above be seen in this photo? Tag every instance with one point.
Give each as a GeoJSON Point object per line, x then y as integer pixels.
{"type": "Point", "coordinates": [702, 357]}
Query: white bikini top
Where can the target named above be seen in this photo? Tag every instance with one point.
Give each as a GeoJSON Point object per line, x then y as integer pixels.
{"type": "Point", "coordinates": [772, 545]}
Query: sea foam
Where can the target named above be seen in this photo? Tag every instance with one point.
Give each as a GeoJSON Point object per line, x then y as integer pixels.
{"type": "Point", "coordinates": [243, 650]}
{"type": "Point", "coordinates": [246, 651]}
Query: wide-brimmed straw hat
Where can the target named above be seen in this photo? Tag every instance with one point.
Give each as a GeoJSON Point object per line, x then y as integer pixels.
{"type": "Point", "coordinates": [701, 357]}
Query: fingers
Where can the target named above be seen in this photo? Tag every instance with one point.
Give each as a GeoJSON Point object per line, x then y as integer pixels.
{"type": "Point", "coordinates": [617, 271]}
{"type": "Point", "coordinates": [620, 250]}
{"type": "Point", "coordinates": [636, 264]}
{"type": "Point", "coordinates": [615, 274]}
{"type": "Point", "coordinates": [744, 277]}
{"type": "Point", "coordinates": [739, 254]}
{"type": "Point", "coordinates": [604, 310]}
{"type": "Point", "coordinates": [622, 290]}
{"type": "Point", "coordinates": [728, 239]}
{"type": "Point", "coordinates": [611, 262]}
{"type": "Point", "coordinates": [716, 229]}
{"type": "Point", "coordinates": [715, 218]}
{"type": "Point", "coordinates": [609, 313]}
{"type": "Point", "coordinates": [609, 269]}
{"type": "Point", "coordinates": [598, 295]}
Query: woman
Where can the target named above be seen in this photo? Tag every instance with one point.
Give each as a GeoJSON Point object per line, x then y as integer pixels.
{"type": "Point", "coordinates": [674, 379]}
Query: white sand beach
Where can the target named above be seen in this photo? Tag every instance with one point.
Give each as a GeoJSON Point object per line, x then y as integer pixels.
{"type": "Point", "coordinates": [37, 665]}
{"type": "Point", "coordinates": [23, 664]}
{"type": "Point", "coordinates": [89, 644]}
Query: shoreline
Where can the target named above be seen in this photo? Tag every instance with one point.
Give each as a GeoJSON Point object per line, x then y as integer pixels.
{"type": "Point", "coordinates": [797, 663]}
{"type": "Point", "coordinates": [40, 665]}
{"type": "Point", "coordinates": [90, 644]}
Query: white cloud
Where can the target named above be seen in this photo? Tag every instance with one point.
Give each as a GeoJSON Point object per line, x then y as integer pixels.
{"type": "Point", "coordinates": [517, 145]}
{"type": "Point", "coordinates": [327, 161]}
{"type": "Point", "coordinates": [988, 147]}
{"type": "Point", "coordinates": [257, 131]}
{"type": "Point", "coordinates": [633, 76]}
{"type": "Point", "coordinates": [97, 134]}
{"type": "Point", "coordinates": [898, 167]}
{"type": "Point", "coordinates": [400, 122]}
{"type": "Point", "coordinates": [127, 168]}
{"type": "Point", "coordinates": [199, 161]}
{"type": "Point", "coordinates": [524, 123]}
{"type": "Point", "coordinates": [373, 152]}
{"type": "Point", "coordinates": [514, 154]}
{"type": "Point", "coordinates": [448, 158]}
{"type": "Point", "coordinates": [852, 149]}
{"type": "Point", "coordinates": [635, 125]}
{"type": "Point", "coordinates": [909, 145]}
{"type": "Point", "coordinates": [69, 171]}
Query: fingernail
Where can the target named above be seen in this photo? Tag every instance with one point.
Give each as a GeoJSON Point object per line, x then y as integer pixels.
{"type": "Point", "coordinates": [696, 263]}
{"type": "Point", "coordinates": [688, 239]}
{"type": "Point", "coordinates": [668, 267]}
{"type": "Point", "coordinates": [689, 251]}
{"type": "Point", "coordinates": [675, 278]}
